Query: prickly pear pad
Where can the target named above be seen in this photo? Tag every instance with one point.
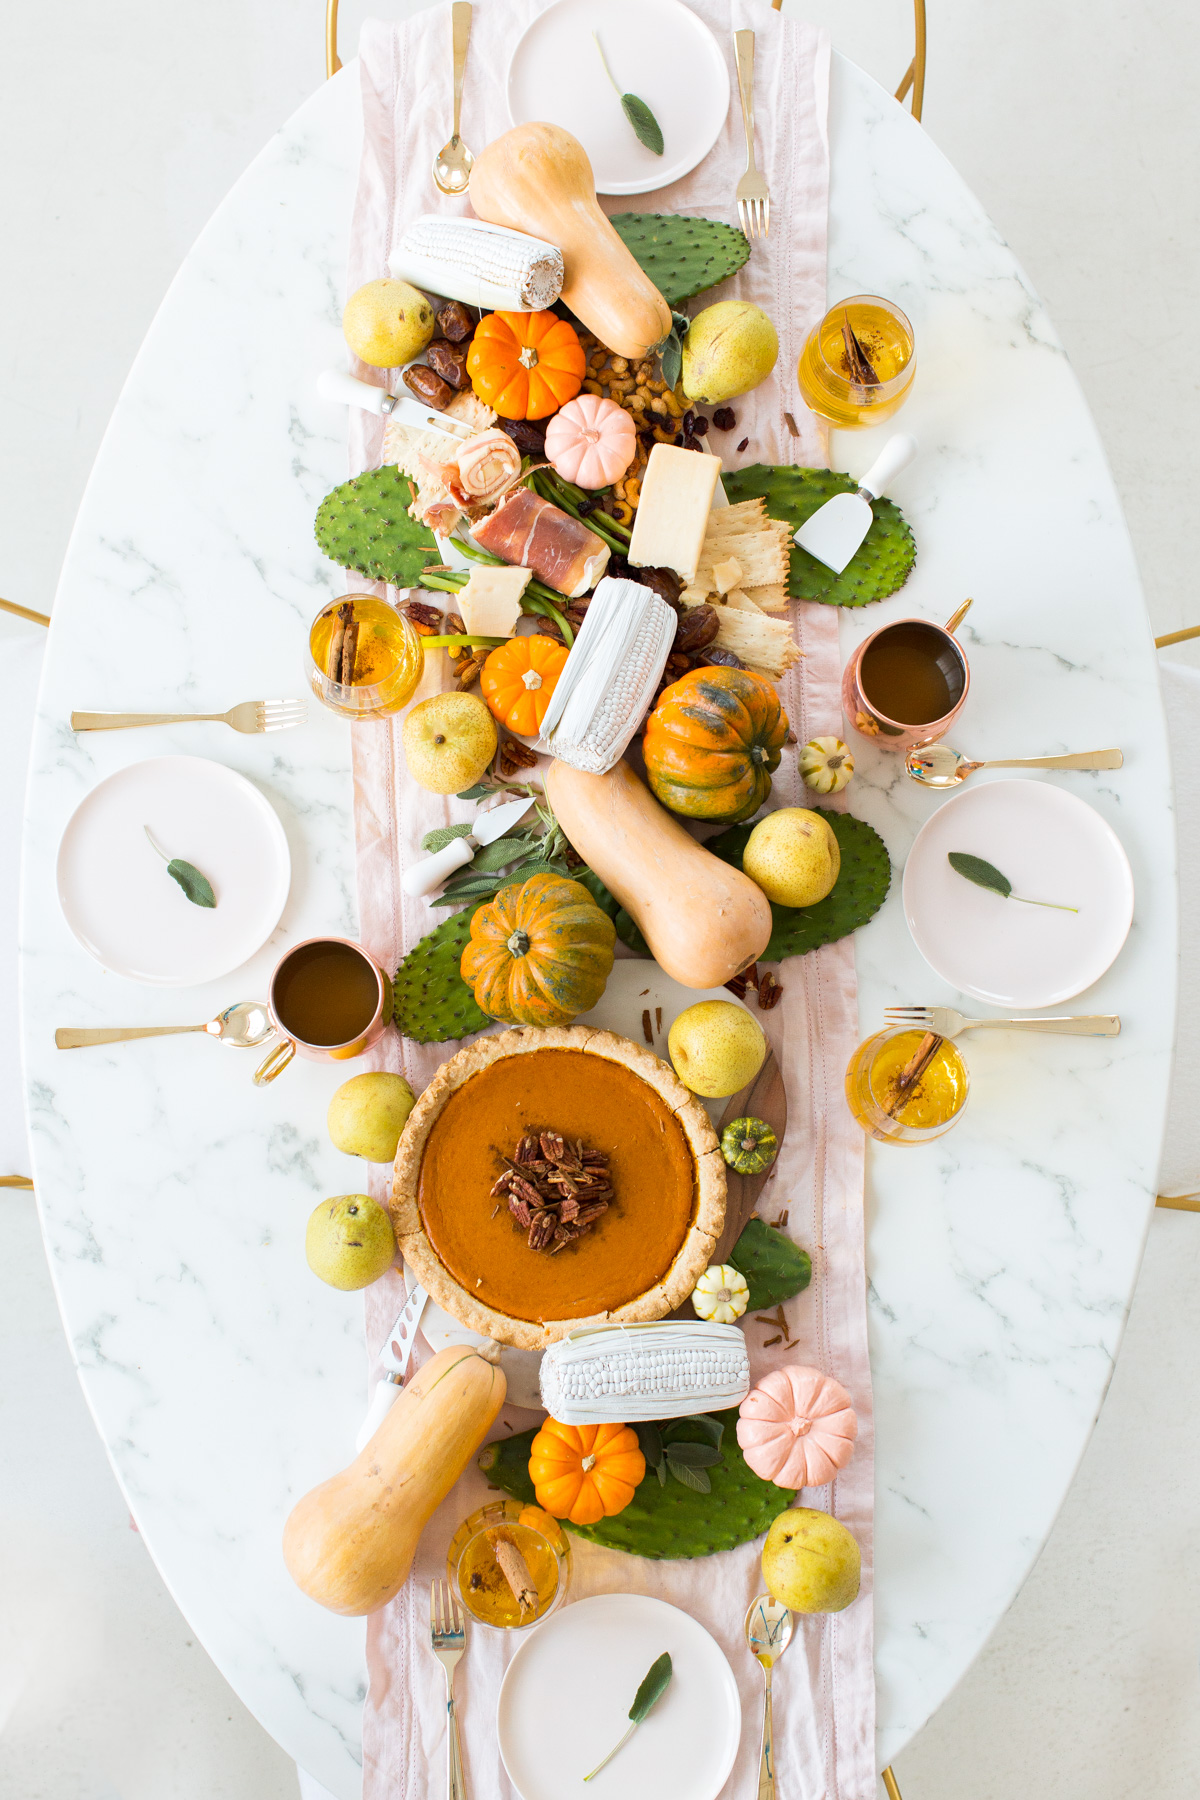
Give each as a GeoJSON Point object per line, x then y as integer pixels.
{"type": "Point", "coordinates": [432, 1001]}
{"type": "Point", "coordinates": [365, 525]}
{"type": "Point", "coordinates": [682, 256]}
{"type": "Point", "coordinates": [663, 1521]}
{"type": "Point", "coordinates": [881, 566]}
{"type": "Point", "coordinates": [858, 893]}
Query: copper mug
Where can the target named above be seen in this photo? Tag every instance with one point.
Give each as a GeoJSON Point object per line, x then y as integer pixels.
{"type": "Point", "coordinates": [939, 647]}
{"type": "Point", "coordinates": [329, 1000]}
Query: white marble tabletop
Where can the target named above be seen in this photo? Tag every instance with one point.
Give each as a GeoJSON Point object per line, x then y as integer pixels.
{"type": "Point", "coordinates": [226, 1380]}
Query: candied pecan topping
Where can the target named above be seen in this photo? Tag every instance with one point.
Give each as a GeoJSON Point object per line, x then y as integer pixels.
{"type": "Point", "coordinates": [554, 1189]}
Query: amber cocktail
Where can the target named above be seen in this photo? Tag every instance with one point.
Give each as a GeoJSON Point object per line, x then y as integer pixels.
{"type": "Point", "coordinates": [365, 658]}
{"type": "Point", "coordinates": [858, 364]}
{"type": "Point", "coordinates": [510, 1563]}
{"type": "Point", "coordinates": [898, 1113]}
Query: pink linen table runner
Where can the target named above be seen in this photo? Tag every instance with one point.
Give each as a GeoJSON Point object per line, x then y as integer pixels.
{"type": "Point", "coordinates": [824, 1690]}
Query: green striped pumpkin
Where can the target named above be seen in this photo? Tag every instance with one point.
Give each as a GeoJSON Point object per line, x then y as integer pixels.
{"type": "Point", "coordinates": [540, 953]}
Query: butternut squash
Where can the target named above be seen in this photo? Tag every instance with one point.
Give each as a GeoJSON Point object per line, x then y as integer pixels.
{"type": "Point", "coordinates": [537, 178]}
{"type": "Point", "coordinates": [349, 1544]}
{"type": "Point", "coordinates": [703, 920]}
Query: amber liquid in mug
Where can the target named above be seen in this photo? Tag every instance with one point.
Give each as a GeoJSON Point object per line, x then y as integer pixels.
{"type": "Point", "coordinates": [326, 994]}
{"type": "Point", "coordinates": [910, 674]}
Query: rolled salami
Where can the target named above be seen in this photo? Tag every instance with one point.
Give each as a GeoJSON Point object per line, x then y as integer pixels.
{"type": "Point", "coordinates": [533, 534]}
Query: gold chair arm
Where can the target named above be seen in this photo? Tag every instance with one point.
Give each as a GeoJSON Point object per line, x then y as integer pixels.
{"type": "Point", "coordinates": [24, 612]}
{"type": "Point", "coordinates": [333, 61]}
{"type": "Point", "coordinates": [1179, 1202]}
{"type": "Point", "coordinates": [890, 1784]}
{"type": "Point", "coordinates": [15, 1181]}
{"type": "Point", "coordinates": [1177, 637]}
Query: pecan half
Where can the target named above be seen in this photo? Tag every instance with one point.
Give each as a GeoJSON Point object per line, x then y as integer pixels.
{"type": "Point", "coordinates": [425, 618]}
{"type": "Point", "coordinates": [770, 992]}
{"type": "Point", "coordinates": [512, 757]}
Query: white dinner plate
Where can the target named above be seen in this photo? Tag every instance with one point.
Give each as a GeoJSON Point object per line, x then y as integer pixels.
{"type": "Point", "coordinates": [1052, 846]}
{"type": "Point", "coordinates": [134, 918]}
{"type": "Point", "coordinates": [592, 1657]}
{"type": "Point", "coordinates": [656, 49]}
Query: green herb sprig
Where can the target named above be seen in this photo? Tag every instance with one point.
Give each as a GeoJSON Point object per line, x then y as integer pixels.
{"type": "Point", "coordinates": [986, 875]}
{"type": "Point", "coordinates": [646, 127]}
{"type": "Point", "coordinates": [655, 1685]}
{"type": "Point", "coordinates": [196, 886]}
{"type": "Point", "coordinates": [687, 1461]}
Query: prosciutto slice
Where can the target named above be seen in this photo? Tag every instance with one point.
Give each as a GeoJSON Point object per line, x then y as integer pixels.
{"type": "Point", "coordinates": [533, 534]}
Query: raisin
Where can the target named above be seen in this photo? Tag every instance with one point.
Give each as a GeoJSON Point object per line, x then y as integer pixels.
{"type": "Point", "coordinates": [743, 444]}
{"type": "Point", "coordinates": [689, 423]}
{"type": "Point", "coordinates": [699, 425]}
{"type": "Point", "coordinates": [724, 418]}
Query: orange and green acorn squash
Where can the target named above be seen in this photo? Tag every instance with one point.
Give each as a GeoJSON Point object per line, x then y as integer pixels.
{"type": "Point", "coordinates": [540, 953]}
{"type": "Point", "coordinates": [712, 742]}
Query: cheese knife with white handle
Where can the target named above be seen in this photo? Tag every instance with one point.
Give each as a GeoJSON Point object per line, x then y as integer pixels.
{"type": "Point", "coordinates": [345, 389]}
{"type": "Point", "coordinates": [393, 1360]}
{"type": "Point", "coordinates": [835, 530]}
{"type": "Point", "coordinates": [424, 876]}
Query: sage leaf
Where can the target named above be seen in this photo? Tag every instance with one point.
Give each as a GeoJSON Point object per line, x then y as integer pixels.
{"type": "Point", "coordinates": [443, 835]}
{"type": "Point", "coordinates": [477, 792]}
{"type": "Point", "coordinates": [652, 1689]}
{"type": "Point", "coordinates": [646, 127]}
{"type": "Point", "coordinates": [983, 874]}
{"type": "Point", "coordinates": [713, 1429]}
{"type": "Point", "coordinates": [694, 1456]}
{"type": "Point", "coordinates": [650, 1443]}
{"type": "Point", "coordinates": [986, 875]}
{"type": "Point", "coordinates": [670, 351]}
{"type": "Point", "coordinates": [686, 1476]}
{"type": "Point", "coordinates": [499, 854]}
{"type": "Point", "coordinates": [196, 886]}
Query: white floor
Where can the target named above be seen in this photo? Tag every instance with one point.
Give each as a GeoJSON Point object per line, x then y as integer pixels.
{"type": "Point", "coordinates": [120, 129]}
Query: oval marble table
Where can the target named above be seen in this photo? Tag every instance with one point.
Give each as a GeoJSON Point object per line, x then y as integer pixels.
{"type": "Point", "coordinates": [224, 1379]}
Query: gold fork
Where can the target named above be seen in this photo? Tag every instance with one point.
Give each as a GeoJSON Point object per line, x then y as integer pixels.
{"type": "Point", "coordinates": [948, 1022]}
{"type": "Point", "coordinates": [250, 716]}
{"type": "Point", "coordinates": [448, 1635]}
{"type": "Point", "coordinates": [753, 199]}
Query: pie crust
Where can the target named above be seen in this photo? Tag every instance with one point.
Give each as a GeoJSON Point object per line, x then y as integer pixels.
{"type": "Point", "coordinates": [693, 1255]}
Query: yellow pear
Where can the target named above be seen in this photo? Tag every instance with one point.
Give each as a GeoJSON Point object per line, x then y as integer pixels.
{"type": "Point", "coordinates": [387, 323]}
{"type": "Point", "coordinates": [793, 856]}
{"type": "Point", "coordinates": [810, 1562]}
{"type": "Point", "coordinates": [716, 1047]}
{"type": "Point", "coordinates": [729, 348]}
{"type": "Point", "coordinates": [368, 1113]}
{"type": "Point", "coordinates": [449, 740]}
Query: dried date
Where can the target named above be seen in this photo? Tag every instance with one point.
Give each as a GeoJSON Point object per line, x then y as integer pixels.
{"type": "Point", "coordinates": [428, 386]}
{"type": "Point", "coordinates": [455, 322]}
{"type": "Point", "coordinates": [526, 434]}
{"type": "Point", "coordinates": [450, 362]}
{"type": "Point", "coordinates": [697, 627]}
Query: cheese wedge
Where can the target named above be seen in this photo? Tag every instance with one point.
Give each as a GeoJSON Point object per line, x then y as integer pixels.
{"type": "Point", "coordinates": [490, 604]}
{"type": "Point", "coordinates": [674, 510]}
{"type": "Point", "coordinates": [727, 575]}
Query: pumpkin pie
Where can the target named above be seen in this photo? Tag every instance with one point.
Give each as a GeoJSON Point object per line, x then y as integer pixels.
{"type": "Point", "coordinates": [639, 1261]}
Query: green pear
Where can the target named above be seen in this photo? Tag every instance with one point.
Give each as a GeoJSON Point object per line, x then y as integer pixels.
{"type": "Point", "coordinates": [349, 1242]}
{"type": "Point", "coordinates": [810, 1562]}
{"type": "Point", "coordinates": [729, 348]}
{"type": "Point", "coordinates": [716, 1047]}
{"type": "Point", "coordinates": [368, 1113]}
{"type": "Point", "coordinates": [387, 323]}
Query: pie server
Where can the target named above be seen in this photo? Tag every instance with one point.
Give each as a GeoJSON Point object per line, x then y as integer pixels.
{"type": "Point", "coordinates": [424, 876]}
{"type": "Point", "coordinates": [836, 529]}
{"type": "Point", "coordinates": [393, 1360]}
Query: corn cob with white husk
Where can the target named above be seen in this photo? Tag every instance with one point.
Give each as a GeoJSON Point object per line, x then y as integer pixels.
{"type": "Point", "coordinates": [482, 265]}
{"type": "Point", "coordinates": [618, 1374]}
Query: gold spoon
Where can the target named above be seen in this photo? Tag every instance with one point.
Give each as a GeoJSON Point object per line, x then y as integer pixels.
{"type": "Point", "coordinates": [768, 1633]}
{"type": "Point", "coordinates": [938, 766]}
{"type": "Point", "coordinates": [244, 1025]}
{"type": "Point", "coordinates": [453, 162]}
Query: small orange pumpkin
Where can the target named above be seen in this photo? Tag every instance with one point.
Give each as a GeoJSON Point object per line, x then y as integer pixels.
{"type": "Point", "coordinates": [525, 365]}
{"type": "Point", "coordinates": [585, 1473]}
{"type": "Point", "coordinates": [518, 679]}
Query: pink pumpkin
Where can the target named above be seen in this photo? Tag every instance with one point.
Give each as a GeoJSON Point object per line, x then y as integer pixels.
{"type": "Point", "coordinates": [797, 1427]}
{"type": "Point", "coordinates": [591, 441]}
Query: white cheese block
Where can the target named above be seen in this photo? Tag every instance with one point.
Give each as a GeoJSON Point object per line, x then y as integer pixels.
{"type": "Point", "coordinates": [672, 514]}
{"type": "Point", "coordinates": [727, 575]}
{"type": "Point", "coordinates": [490, 604]}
